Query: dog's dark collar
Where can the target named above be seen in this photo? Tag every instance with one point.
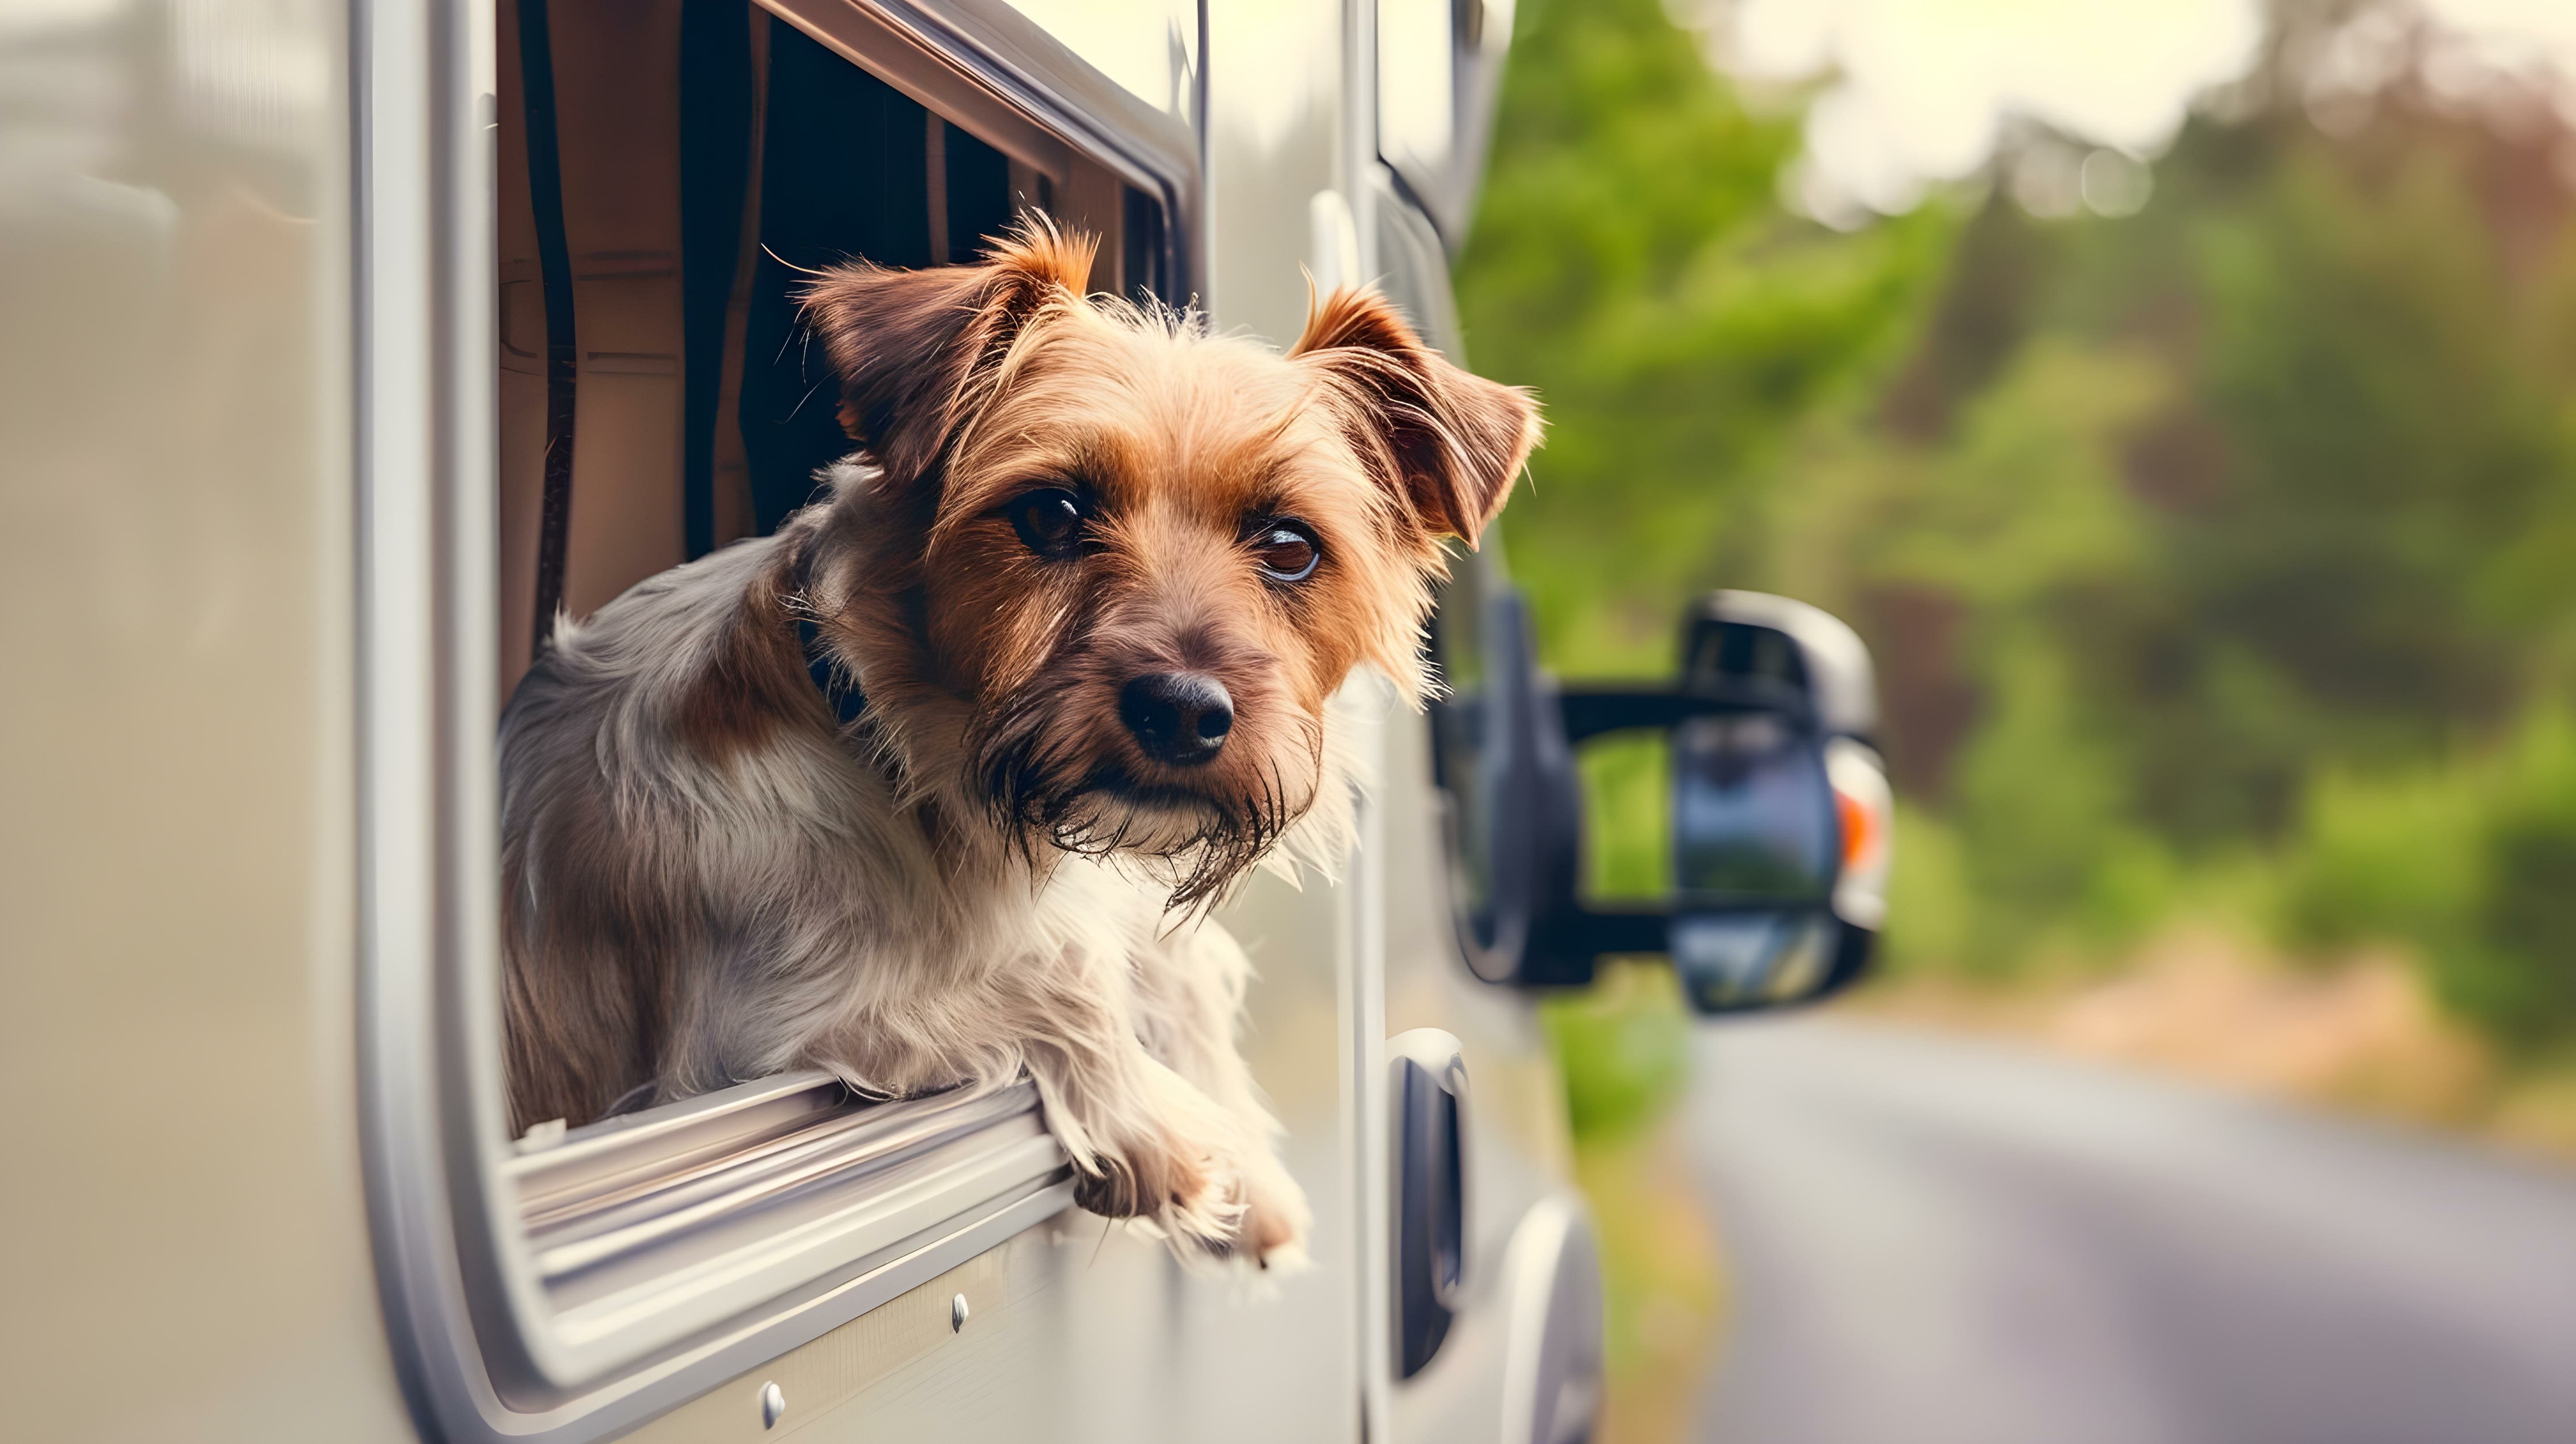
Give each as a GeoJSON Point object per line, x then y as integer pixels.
{"type": "Point", "coordinates": [840, 690]}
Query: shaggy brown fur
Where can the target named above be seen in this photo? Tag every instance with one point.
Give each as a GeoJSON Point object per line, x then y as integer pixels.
{"type": "Point", "coordinates": [993, 871]}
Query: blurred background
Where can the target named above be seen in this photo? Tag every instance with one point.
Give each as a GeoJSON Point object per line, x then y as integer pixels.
{"type": "Point", "coordinates": [2180, 397]}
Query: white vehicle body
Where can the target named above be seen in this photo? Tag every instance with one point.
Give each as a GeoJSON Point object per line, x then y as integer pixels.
{"type": "Point", "coordinates": [264, 569]}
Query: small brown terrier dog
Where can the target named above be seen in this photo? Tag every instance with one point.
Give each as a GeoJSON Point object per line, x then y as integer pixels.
{"type": "Point", "coordinates": [1097, 575]}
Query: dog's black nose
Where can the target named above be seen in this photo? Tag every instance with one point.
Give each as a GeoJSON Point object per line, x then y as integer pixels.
{"type": "Point", "coordinates": [1178, 717]}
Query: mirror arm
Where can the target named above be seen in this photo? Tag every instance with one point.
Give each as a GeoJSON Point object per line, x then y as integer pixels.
{"type": "Point", "coordinates": [1601, 932]}
{"type": "Point", "coordinates": [1589, 712]}
{"type": "Point", "coordinates": [1466, 714]}
{"type": "Point", "coordinates": [1592, 933]}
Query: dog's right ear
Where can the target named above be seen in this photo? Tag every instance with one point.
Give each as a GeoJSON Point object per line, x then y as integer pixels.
{"type": "Point", "coordinates": [915, 349]}
{"type": "Point", "coordinates": [1445, 442]}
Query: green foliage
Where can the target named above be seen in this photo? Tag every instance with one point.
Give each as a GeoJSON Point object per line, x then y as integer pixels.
{"type": "Point", "coordinates": [1930, 911]}
{"type": "Point", "coordinates": [2034, 852]}
{"type": "Point", "coordinates": [2390, 859]}
{"type": "Point", "coordinates": [1630, 261]}
{"type": "Point", "coordinates": [1624, 1048]}
{"type": "Point", "coordinates": [2233, 540]}
{"type": "Point", "coordinates": [1627, 822]}
{"type": "Point", "coordinates": [2468, 862]}
{"type": "Point", "coordinates": [2518, 979]}
{"type": "Point", "coordinates": [2389, 449]}
{"type": "Point", "coordinates": [2019, 520]}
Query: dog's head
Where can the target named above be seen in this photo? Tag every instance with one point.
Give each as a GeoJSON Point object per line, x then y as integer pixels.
{"type": "Point", "coordinates": [1107, 569]}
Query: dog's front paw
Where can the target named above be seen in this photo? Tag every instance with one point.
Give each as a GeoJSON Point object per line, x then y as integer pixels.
{"type": "Point", "coordinates": [1148, 1181]}
{"type": "Point", "coordinates": [1272, 1231]}
{"type": "Point", "coordinates": [1237, 1206]}
{"type": "Point", "coordinates": [1179, 1181]}
{"type": "Point", "coordinates": [1195, 1175]}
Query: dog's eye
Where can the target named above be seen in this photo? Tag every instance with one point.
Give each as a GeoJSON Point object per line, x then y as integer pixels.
{"type": "Point", "coordinates": [1049, 522]}
{"type": "Point", "coordinates": [1287, 551]}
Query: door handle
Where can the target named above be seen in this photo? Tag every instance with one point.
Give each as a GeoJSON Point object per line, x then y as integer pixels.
{"type": "Point", "coordinates": [1427, 1088]}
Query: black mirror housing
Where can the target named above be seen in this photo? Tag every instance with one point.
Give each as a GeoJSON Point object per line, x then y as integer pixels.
{"type": "Point", "coordinates": [1781, 808]}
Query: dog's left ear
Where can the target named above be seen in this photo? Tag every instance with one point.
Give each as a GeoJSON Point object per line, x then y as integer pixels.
{"type": "Point", "coordinates": [914, 349]}
{"type": "Point", "coordinates": [1447, 442]}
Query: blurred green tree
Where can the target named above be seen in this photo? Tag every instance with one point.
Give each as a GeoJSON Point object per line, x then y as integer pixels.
{"type": "Point", "coordinates": [2243, 527]}
{"type": "Point", "coordinates": [1631, 260]}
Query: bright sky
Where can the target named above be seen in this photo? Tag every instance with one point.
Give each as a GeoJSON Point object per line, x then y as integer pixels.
{"type": "Point", "coordinates": [1923, 91]}
{"type": "Point", "coordinates": [2515, 34]}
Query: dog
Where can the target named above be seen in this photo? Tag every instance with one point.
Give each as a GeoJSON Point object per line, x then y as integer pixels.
{"type": "Point", "coordinates": [934, 787]}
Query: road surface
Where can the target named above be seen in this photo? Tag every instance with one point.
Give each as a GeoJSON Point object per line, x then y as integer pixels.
{"type": "Point", "coordinates": [1932, 1239]}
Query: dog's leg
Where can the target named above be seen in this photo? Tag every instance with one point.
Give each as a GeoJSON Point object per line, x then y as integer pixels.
{"type": "Point", "coordinates": [1188, 995]}
{"type": "Point", "coordinates": [1146, 1142]}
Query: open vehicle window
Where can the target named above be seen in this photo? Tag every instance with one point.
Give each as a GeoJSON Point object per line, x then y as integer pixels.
{"type": "Point", "coordinates": [659, 173]}
{"type": "Point", "coordinates": [667, 182]}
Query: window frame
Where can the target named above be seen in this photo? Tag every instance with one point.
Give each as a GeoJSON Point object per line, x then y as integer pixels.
{"type": "Point", "coordinates": [465, 1306]}
{"type": "Point", "coordinates": [1414, 264]}
{"type": "Point", "coordinates": [985, 66]}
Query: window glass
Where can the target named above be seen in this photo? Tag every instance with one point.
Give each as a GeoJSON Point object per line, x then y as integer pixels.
{"type": "Point", "coordinates": [1416, 106]}
{"type": "Point", "coordinates": [1150, 47]}
{"type": "Point", "coordinates": [1457, 651]}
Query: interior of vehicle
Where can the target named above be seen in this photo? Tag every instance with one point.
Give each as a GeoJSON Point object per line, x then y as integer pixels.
{"type": "Point", "coordinates": [669, 171]}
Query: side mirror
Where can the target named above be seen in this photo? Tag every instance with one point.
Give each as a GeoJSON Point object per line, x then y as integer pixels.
{"type": "Point", "coordinates": [1515, 804]}
{"type": "Point", "coordinates": [1781, 811]}
{"type": "Point", "coordinates": [1782, 814]}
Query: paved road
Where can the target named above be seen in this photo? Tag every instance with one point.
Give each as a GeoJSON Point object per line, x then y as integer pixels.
{"type": "Point", "coordinates": [1935, 1240]}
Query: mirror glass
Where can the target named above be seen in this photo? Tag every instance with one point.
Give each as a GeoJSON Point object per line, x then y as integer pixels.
{"type": "Point", "coordinates": [1756, 852]}
{"type": "Point", "coordinates": [1753, 815]}
{"type": "Point", "coordinates": [1729, 962]}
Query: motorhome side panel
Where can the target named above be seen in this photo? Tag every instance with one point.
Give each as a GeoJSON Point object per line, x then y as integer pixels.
{"type": "Point", "coordinates": [183, 1247]}
{"type": "Point", "coordinates": [196, 332]}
